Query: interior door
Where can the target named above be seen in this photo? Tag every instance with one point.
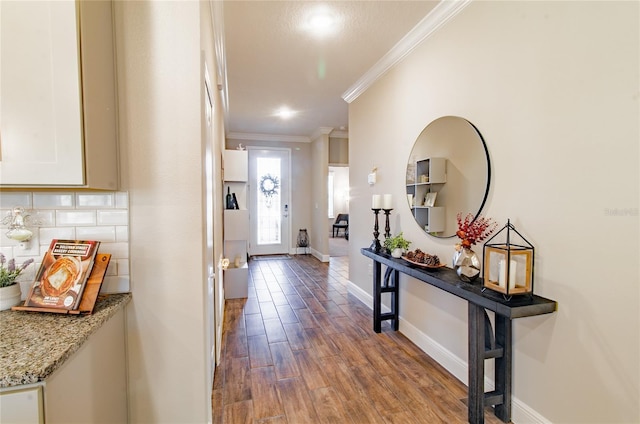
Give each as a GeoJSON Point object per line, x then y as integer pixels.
{"type": "Point", "coordinates": [213, 323]}
{"type": "Point", "coordinates": [269, 206]}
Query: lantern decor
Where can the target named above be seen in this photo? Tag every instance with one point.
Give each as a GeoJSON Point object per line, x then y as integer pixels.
{"type": "Point", "coordinates": [508, 266]}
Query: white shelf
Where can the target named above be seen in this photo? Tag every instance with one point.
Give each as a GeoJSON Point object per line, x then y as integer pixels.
{"type": "Point", "coordinates": [434, 170]}
{"type": "Point", "coordinates": [236, 224]}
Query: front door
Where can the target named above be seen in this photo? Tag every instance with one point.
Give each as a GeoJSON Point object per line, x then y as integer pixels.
{"type": "Point", "coordinates": [269, 206]}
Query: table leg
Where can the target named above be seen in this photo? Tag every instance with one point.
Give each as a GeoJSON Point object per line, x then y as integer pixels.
{"type": "Point", "coordinates": [377, 296]}
{"type": "Point", "coordinates": [476, 364]}
{"type": "Point", "coordinates": [396, 300]}
{"type": "Point", "coordinates": [503, 367]}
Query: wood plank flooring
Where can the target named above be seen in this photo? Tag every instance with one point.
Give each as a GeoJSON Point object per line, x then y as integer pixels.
{"type": "Point", "coordinates": [300, 349]}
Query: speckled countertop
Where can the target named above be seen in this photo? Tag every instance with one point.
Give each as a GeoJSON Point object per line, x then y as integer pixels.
{"type": "Point", "coordinates": [35, 344]}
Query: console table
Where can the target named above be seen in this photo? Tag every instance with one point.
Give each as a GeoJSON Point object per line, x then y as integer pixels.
{"type": "Point", "coordinates": [484, 342]}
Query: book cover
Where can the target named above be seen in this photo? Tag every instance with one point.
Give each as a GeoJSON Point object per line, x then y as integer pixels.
{"type": "Point", "coordinates": [63, 274]}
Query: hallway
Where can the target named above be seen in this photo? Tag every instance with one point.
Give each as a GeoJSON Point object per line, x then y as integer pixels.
{"type": "Point", "coordinates": [300, 349]}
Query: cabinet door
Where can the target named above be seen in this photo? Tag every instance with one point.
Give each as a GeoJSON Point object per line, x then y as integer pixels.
{"type": "Point", "coordinates": [21, 406]}
{"type": "Point", "coordinates": [40, 111]}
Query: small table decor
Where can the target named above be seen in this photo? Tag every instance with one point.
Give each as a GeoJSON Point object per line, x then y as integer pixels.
{"type": "Point", "coordinates": [508, 264]}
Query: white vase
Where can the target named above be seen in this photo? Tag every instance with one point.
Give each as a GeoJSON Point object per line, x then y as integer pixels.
{"type": "Point", "coordinates": [9, 296]}
{"type": "Point", "coordinates": [397, 252]}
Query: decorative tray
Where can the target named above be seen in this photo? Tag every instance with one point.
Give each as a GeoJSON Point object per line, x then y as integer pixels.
{"type": "Point", "coordinates": [420, 264]}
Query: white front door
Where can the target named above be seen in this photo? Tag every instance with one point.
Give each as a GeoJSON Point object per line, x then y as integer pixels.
{"type": "Point", "coordinates": [269, 206]}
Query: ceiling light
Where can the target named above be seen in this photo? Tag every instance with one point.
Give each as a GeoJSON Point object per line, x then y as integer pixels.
{"type": "Point", "coordinates": [320, 22]}
{"type": "Point", "coordinates": [285, 113]}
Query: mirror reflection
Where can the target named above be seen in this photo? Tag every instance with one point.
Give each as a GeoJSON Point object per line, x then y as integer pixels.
{"type": "Point", "coordinates": [448, 172]}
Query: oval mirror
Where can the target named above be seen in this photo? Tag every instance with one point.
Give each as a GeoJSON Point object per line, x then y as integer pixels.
{"type": "Point", "coordinates": [448, 172]}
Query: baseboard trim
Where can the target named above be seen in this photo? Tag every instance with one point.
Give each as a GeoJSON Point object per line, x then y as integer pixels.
{"type": "Point", "coordinates": [319, 256]}
{"type": "Point", "coordinates": [521, 412]}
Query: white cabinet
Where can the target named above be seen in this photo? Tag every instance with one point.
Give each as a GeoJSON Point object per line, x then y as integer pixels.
{"type": "Point", "coordinates": [424, 179]}
{"type": "Point", "coordinates": [236, 225]}
{"type": "Point", "coordinates": [22, 405]}
{"type": "Point", "coordinates": [57, 85]}
{"type": "Point", "coordinates": [89, 387]}
{"type": "Point", "coordinates": [236, 165]}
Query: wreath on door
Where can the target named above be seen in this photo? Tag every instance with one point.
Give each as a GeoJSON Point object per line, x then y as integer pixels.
{"type": "Point", "coordinates": [269, 185]}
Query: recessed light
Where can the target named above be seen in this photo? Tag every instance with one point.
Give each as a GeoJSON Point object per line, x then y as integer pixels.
{"type": "Point", "coordinates": [285, 113]}
{"type": "Point", "coordinates": [320, 22]}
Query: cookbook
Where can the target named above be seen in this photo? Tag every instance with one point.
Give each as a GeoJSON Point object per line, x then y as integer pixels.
{"type": "Point", "coordinates": [63, 274]}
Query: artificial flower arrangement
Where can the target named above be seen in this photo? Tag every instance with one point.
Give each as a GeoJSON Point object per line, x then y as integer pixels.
{"type": "Point", "coordinates": [9, 274]}
{"type": "Point", "coordinates": [471, 231]}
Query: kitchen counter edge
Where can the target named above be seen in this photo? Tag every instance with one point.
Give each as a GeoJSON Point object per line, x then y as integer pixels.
{"type": "Point", "coordinates": [34, 344]}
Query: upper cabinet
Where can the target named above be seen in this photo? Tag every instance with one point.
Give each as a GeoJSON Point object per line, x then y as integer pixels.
{"type": "Point", "coordinates": [236, 165]}
{"type": "Point", "coordinates": [58, 124]}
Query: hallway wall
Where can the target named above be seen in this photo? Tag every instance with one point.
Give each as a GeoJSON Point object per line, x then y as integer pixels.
{"type": "Point", "coordinates": [553, 87]}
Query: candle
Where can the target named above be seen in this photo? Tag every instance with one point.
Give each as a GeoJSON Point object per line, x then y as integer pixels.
{"type": "Point", "coordinates": [376, 202]}
{"type": "Point", "coordinates": [502, 279]}
{"type": "Point", "coordinates": [387, 202]}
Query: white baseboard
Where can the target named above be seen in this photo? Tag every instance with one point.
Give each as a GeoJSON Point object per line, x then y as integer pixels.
{"type": "Point", "coordinates": [319, 256]}
{"type": "Point", "coordinates": [521, 412]}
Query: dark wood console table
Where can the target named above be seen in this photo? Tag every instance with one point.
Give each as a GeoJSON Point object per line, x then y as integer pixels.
{"type": "Point", "coordinates": [484, 342]}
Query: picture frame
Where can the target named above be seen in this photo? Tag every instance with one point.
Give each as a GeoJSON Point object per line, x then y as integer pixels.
{"type": "Point", "coordinates": [430, 199]}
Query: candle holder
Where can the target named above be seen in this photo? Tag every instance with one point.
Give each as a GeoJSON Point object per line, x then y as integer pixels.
{"type": "Point", "coordinates": [508, 264]}
{"type": "Point", "coordinates": [375, 245]}
{"type": "Point", "coordinates": [387, 227]}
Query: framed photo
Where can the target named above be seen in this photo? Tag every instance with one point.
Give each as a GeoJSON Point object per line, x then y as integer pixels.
{"type": "Point", "coordinates": [430, 199]}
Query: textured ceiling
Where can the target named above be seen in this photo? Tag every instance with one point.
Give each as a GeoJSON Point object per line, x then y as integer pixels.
{"type": "Point", "coordinates": [271, 61]}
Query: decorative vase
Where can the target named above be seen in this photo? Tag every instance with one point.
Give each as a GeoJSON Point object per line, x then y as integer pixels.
{"type": "Point", "coordinates": [397, 252]}
{"type": "Point", "coordinates": [9, 296]}
{"type": "Point", "coordinates": [467, 264]}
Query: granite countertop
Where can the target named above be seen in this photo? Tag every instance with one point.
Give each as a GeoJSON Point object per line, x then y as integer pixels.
{"type": "Point", "coordinates": [34, 344]}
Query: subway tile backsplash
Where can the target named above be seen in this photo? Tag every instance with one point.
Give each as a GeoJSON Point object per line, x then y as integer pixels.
{"type": "Point", "coordinates": [85, 215]}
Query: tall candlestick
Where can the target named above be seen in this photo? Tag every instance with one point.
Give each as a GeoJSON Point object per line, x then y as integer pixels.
{"type": "Point", "coordinates": [376, 246]}
{"type": "Point", "coordinates": [387, 227]}
{"type": "Point", "coordinates": [387, 202]}
{"type": "Point", "coordinates": [376, 202]}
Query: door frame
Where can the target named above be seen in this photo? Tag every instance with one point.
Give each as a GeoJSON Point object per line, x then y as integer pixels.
{"type": "Point", "coordinates": [287, 150]}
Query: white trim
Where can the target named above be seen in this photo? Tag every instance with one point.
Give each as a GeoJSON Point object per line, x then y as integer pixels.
{"type": "Point", "coordinates": [320, 132]}
{"type": "Point", "coordinates": [217, 16]}
{"type": "Point", "coordinates": [439, 15]}
{"type": "Point", "coordinates": [339, 134]}
{"type": "Point", "coordinates": [269, 137]}
{"type": "Point", "coordinates": [521, 412]}
{"type": "Point", "coordinates": [319, 256]}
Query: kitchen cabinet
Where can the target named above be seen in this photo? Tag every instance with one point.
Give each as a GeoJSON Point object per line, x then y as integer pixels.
{"type": "Point", "coordinates": [57, 83]}
{"type": "Point", "coordinates": [65, 369]}
{"type": "Point", "coordinates": [91, 386]}
{"type": "Point", "coordinates": [236, 225]}
{"type": "Point", "coordinates": [22, 405]}
{"type": "Point", "coordinates": [426, 176]}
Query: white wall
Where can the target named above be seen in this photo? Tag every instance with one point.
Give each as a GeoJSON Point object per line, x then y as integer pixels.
{"type": "Point", "coordinates": [553, 88]}
{"type": "Point", "coordinates": [158, 51]}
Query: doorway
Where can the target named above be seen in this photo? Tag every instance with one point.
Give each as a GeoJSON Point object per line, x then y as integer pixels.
{"type": "Point", "coordinates": [269, 206]}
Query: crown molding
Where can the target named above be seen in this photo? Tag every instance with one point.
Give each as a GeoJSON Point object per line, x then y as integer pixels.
{"type": "Point", "coordinates": [339, 134]}
{"type": "Point", "coordinates": [217, 17]}
{"type": "Point", "coordinates": [321, 131]}
{"type": "Point", "coordinates": [439, 15]}
{"type": "Point", "coordinates": [269, 137]}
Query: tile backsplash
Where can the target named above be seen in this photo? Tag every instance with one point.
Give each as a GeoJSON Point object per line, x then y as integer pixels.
{"type": "Point", "coordinates": [85, 215]}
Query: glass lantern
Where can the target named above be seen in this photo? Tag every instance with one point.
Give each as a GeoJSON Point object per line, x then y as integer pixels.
{"type": "Point", "coordinates": [508, 266]}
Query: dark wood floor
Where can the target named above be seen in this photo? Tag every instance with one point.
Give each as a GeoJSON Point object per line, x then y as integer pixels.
{"type": "Point", "coordinates": [300, 349]}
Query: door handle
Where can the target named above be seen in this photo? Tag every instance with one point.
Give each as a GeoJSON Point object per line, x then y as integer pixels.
{"type": "Point", "coordinates": [286, 211]}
